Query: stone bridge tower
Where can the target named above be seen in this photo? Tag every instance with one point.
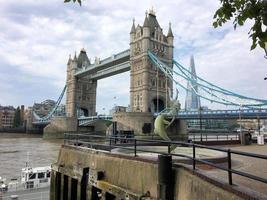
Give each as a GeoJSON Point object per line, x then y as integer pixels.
{"type": "Point", "coordinates": [149, 86]}
{"type": "Point", "coordinates": [81, 92]}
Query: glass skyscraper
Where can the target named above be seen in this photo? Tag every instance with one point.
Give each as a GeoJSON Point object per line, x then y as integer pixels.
{"type": "Point", "coordinates": [192, 101]}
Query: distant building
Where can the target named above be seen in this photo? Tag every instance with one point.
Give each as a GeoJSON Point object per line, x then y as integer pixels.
{"type": "Point", "coordinates": [118, 109]}
{"type": "Point", "coordinates": [7, 114]}
{"type": "Point", "coordinates": [192, 101]}
{"type": "Point", "coordinates": [43, 108]}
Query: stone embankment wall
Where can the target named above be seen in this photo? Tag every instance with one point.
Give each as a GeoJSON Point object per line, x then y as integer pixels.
{"type": "Point", "coordinates": [83, 173]}
{"type": "Point", "coordinates": [59, 126]}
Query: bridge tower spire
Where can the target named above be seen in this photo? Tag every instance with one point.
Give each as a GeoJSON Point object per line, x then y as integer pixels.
{"type": "Point", "coordinates": [149, 87]}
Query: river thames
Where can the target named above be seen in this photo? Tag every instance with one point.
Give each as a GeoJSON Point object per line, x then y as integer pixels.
{"type": "Point", "coordinates": [15, 147]}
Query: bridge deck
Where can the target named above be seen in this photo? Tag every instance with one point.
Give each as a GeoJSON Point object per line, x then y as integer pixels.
{"type": "Point", "coordinates": [112, 63]}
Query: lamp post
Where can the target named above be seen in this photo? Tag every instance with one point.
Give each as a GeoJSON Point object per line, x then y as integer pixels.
{"type": "Point", "coordinates": [240, 127]}
{"type": "Point", "coordinates": [200, 122]}
{"type": "Point", "coordinates": [259, 128]}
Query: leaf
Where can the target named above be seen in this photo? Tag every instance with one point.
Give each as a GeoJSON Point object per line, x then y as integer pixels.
{"type": "Point", "coordinates": [240, 22]}
{"type": "Point", "coordinates": [253, 46]}
{"type": "Point", "coordinates": [66, 1]}
{"type": "Point", "coordinates": [215, 24]}
{"type": "Point", "coordinates": [262, 44]}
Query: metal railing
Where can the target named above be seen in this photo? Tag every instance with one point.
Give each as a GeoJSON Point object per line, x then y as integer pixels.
{"type": "Point", "coordinates": [207, 137]}
{"type": "Point", "coordinates": [135, 145]}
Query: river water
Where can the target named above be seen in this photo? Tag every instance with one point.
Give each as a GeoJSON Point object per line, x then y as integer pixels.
{"type": "Point", "coordinates": [15, 147]}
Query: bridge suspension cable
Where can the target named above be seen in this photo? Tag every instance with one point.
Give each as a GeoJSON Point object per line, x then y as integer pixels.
{"type": "Point", "coordinates": [205, 89]}
{"type": "Point", "coordinates": [51, 113]}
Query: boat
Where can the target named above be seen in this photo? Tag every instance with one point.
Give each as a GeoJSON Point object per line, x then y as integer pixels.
{"type": "Point", "coordinates": [3, 185]}
{"type": "Point", "coordinates": [31, 178]}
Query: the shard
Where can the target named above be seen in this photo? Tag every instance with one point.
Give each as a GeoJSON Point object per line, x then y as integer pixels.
{"type": "Point", "coordinates": [192, 101]}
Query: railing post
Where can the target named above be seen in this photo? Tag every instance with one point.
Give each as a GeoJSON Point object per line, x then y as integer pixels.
{"type": "Point", "coordinates": [194, 157]}
{"type": "Point", "coordinates": [65, 138]}
{"type": "Point", "coordinates": [217, 138]}
{"type": "Point", "coordinates": [110, 144]}
{"type": "Point", "coordinates": [165, 186]}
{"type": "Point", "coordinates": [229, 167]}
{"type": "Point", "coordinates": [76, 140]}
{"type": "Point", "coordinates": [169, 148]}
{"type": "Point", "coordinates": [134, 147]}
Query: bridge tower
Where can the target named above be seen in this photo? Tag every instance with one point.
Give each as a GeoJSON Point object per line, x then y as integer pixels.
{"type": "Point", "coordinates": [81, 92]}
{"type": "Point", "coordinates": [149, 86]}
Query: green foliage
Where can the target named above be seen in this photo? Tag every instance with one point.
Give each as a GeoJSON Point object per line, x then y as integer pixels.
{"type": "Point", "coordinates": [241, 10]}
{"type": "Point", "coordinates": [79, 1]}
{"type": "Point", "coordinates": [17, 119]}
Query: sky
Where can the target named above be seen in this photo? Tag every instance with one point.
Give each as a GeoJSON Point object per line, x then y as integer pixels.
{"type": "Point", "coordinates": [37, 37]}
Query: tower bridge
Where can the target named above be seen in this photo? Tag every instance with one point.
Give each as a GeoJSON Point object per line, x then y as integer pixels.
{"type": "Point", "coordinates": [152, 79]}
{"type": "Point", "coordinates": [113, 65]}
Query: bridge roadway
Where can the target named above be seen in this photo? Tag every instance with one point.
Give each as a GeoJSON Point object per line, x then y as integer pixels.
{"type": "Point", "coordinates": [209, 114]}
{"type": "Point", "coordinates": [115, 64]}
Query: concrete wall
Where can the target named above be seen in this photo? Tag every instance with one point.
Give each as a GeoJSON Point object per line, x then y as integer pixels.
{"type": "Point", "coordinates": [133, 121]}
{"type": "Point", "coordinates": [131, 176]}
{"type": "Point", "coordinates": [136, 120]}
{"type": "Point", "coordinates": [58, 126]}
{"type": "Point", "coordinates": [191, 187]}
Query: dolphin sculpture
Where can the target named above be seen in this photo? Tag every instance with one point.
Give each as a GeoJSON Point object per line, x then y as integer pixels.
{"type": "Point", "coordinates": [161, 124]}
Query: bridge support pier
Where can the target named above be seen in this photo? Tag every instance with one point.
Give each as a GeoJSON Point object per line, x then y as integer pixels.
{"type": "Point", "coordinates": [142, 123]}
{"type": "Point", "coordinates": [58, 126]}
{"type": "Point", "coordinates": [139, 122]}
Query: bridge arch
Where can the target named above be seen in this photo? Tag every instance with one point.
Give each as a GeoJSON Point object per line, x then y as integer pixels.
{"type": "Point", "coordinates": [157, 104]}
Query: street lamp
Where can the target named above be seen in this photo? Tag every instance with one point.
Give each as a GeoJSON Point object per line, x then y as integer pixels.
{"type": "Point", "coordinates": [200, 122]}
{"type": "Point", "coordinates": [259, 127]}
{"type": "Point", "coordinates": [240, 126]}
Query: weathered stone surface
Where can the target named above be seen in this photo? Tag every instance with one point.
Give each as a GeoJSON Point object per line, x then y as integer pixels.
{"type": "Point", "coordinates": [133, 121]}
{"type": "Point", "coordinates": [136, 176]}
{"type": "Point", "coordinates": [58, 126]}
{"type": "Point", "coordinates": [191, 187]}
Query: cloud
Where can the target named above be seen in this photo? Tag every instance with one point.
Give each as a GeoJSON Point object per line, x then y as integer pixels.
{"type": "Point", "coordinates": [36, 38]}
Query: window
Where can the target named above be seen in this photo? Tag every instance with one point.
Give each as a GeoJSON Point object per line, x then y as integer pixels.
{"type": "Point", "coordinates": [43, 180]}
{"type": "Point", "coordinates": [48, 174]}
{"type": "Point", "coordinates": [29, 184]}
{"type": "Point", "coordinates": [153, 83]}
{"type": "Point", "coordinates": [32, 176]}
{"type": "Point", "coordinates": [41, 175]}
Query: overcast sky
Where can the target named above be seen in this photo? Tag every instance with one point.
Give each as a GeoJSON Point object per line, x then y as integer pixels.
{"type": "Point", "coordinates": [37, 36]}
